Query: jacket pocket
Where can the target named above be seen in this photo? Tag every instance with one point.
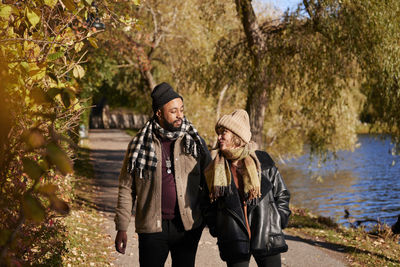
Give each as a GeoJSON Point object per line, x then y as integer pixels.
{"type": "Point", "coordinates": [275, 219]}
{"type": "Point", "coordinates": [276, 244]}
{"type": "Point", "coordinates": [276, 240]}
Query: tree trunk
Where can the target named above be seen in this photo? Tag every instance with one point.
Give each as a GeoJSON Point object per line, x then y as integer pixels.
{"type": "Point", "coordinates": [255, 105]}
{"type": "Point", "coordinates": [257, 94]}
{"type": "Point", "coordinates": [219, 107]}
{"type": "Point", "coordinates": [149, 79]}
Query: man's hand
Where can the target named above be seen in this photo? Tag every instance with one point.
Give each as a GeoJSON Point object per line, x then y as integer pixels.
{"type": "Point", "coordinates": [120, 241]}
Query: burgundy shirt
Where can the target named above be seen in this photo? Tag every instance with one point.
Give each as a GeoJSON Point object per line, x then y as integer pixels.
{"type": "Point", "coordinates": [168, 196]}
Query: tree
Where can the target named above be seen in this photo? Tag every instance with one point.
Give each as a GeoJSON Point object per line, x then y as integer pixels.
{"type": "Point", "coordinates": [42, 47]}
{"type": "Point", "coordinates": [311, 72]}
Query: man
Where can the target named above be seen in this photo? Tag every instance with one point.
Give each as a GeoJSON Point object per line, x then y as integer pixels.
{"type": "Point", "coordinates": [163, 172]}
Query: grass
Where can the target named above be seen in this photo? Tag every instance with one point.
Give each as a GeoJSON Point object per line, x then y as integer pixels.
{"type": "Point", "coordinates": [86, 243]}
{"type": "Point", "coordinates": [378, 247]}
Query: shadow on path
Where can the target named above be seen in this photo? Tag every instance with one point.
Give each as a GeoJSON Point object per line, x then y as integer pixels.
{"type": "Point", "coordinates": [338, 248]}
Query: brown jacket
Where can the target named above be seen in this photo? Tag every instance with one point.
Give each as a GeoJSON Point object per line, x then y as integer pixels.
{"type": "Point", "coordinates": [147, 192]}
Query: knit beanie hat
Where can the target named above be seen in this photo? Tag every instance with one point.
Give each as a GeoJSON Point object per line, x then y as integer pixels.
{"type": "Point", "coordinates": [237, 122]}
{"type": "Point", "coordinates": [162, 94]}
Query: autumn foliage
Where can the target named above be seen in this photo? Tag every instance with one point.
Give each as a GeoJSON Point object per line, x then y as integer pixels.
{"type": "Point", "coordinates": [42, 44]}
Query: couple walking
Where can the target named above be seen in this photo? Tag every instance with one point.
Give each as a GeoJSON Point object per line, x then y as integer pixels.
{"type": "Point", "coordinates": [179, 189]}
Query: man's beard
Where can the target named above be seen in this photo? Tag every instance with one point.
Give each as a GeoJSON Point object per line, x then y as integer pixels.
{"type": "Point", "coordinates": [170, 126]}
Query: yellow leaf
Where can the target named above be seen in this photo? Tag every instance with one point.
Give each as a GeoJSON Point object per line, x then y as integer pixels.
{"type": "Point", "coordinates": [93, 42]}
{"type": "Point", "coordinates": [5, 11]}
{"type": "Point", "coordinates": [78, 46]}
{"type": "Point", "coordinates": [136, 2]}
{"type": "Point", "coordinates": [50, 3]}
{"type": "Point", "coordinates": [78, 71]}
{"type": "Point", "coordinates": [33, 18]}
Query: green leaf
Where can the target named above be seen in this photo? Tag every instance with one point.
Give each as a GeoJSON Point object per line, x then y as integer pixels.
{"type": "Point", "coordinates": [78, 71]}
{"type": "Point", "coordinates": [5, 11]}
{"type": "Point", "coordinates": [59, 158]}
{"type": "Point", "coordinates": [93, 42]}
{"type": "Point", "coordinates": [32, 168]}
{"type": "Point", "coordinates": [33, 18]}
{"type": "Point", "coordinates": [32, 208]}
{"type": "Point", "coordinates": [55, 56]}
{"type": "Point", "coordinates": [69, 4]}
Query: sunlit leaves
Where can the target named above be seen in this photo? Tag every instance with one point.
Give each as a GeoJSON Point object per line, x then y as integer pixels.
{"type": "Point", "coordinates": [33, 18]}
{"type": "Point", "coordinates": [69, 4]}
{"type": "Point", "coordinates": [55, 55]}
{"type": "Point", "coordinates": [93, 42]}
{"type": "Point", "coordinates": [78, 71]}
{"type": "Point", "coordinates": [32, 208]}
{"type": "Point", "coordinates": [5, 11]}
{"type": "Point", "coordinates": [59, 158]}
{"type": "Point", "coordinates": [79, 46]}
{"type": "Point", "coordinates": [41, 44]}
{"type": "Point", "coordinates": [50, 3]}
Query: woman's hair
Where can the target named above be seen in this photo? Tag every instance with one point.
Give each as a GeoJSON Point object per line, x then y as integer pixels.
{"type": "Point", "coordinates": [237, 141]}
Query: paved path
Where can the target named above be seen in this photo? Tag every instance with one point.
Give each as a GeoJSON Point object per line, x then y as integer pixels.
{"type": "Point", "coordinates": [107, 152]}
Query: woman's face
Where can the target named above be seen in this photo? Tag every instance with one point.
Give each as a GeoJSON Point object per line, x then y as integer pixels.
{"type": "Point", "coordinates": [225, 139]}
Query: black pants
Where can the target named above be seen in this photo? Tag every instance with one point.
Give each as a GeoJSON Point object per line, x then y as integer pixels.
{"type": "Point", "coordinates": [154, 247]}
{"type": "Point", "coordinates": [262, 261]}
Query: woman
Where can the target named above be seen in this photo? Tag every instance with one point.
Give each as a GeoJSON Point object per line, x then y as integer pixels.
{"type": "Point", "coordinates": [249, 202]}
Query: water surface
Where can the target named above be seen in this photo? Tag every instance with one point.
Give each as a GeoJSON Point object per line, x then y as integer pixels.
{"type": "Point", "coordinates": [366, 182]}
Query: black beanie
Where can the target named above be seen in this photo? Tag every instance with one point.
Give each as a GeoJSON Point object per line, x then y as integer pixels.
{"type": "Point", "coordinates": [162, 94]}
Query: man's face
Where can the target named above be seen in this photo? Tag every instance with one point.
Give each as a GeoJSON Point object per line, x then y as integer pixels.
{"type": "Point", "coordinates": [171, 114]}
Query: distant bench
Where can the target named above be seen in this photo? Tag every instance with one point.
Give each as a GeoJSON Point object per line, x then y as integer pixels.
{"type": "Point", "coordinates": [120, 119]}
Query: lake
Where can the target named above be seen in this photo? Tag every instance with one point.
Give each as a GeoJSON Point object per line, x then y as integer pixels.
{"type": "Point", "coordinates": [366, 182]}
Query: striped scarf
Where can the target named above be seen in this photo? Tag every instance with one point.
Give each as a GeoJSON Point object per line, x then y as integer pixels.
{"type": "Point", "coordinates": [141, 151]}
{"type": "Point", "coordinates": [219, 178]}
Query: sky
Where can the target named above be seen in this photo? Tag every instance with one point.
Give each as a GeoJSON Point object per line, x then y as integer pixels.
{"type": "Point", "coordinates": [283, 4]}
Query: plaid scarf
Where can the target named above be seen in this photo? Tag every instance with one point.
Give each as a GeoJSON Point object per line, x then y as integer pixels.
{"type": "Point", "coordinates": [219, 178]}
{"type": "Point", "coordinates": [141, 151]}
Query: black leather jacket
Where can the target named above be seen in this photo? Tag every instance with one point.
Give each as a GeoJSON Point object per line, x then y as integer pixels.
{"type": "Point", "coordinates": [267, 218]}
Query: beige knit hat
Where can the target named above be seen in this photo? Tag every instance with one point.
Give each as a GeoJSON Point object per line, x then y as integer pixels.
{"type": "Point", "coordinates": [238, 123]}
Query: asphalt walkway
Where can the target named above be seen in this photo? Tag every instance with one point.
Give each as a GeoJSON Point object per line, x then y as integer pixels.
{"type": "Point", "coordinates": [107, 152]}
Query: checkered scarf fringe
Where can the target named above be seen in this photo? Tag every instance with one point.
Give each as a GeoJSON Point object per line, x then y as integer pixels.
{"type": "Point", "coordinates": [141, 151]}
